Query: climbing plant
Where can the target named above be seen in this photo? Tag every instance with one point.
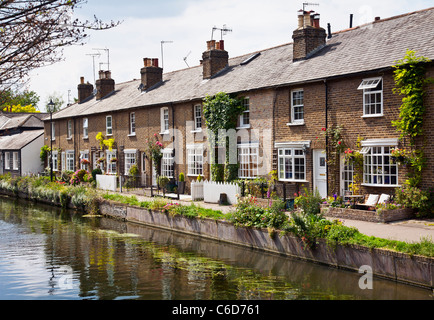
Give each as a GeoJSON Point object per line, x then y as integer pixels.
{"type": "Point", "coordinates": [410, 82]}
{"type": "Point", "coordinates": [335, 147]}
{"type": "Point", "coordinates": [221, 112]}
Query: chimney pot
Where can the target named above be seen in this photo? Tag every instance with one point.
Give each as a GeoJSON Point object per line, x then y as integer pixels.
{"type": "Point", "coordinates": [85, 91]}
{"type": "Point", "coordinates": [222, 44]}
{"type": "Point", "coordinates": [213, 61]}
{"type": "Point", "coordinates": [104, 85]}
{"type": "Point", "coordinates": [377, 18]}
{"type": "Point", "coordinates": [309, 36]}
{"type": "Point", "coordinates": [151, 74]}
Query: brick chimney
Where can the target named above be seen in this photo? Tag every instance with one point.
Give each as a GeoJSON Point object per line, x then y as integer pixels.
{"type": "Point", "coordinates": [104, 85]}
{"type": "Point", "coordinates": [85, 90]}
{"type": "Point", "coordinates": [309, 36]}
{"type": "Point", "coordinates": [214, 59]}
{"type": "Point", "coordinates": [151, 73]}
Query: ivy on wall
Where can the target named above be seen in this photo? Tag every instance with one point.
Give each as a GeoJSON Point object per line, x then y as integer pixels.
{"type": "Point", "coordinates": [410, 81]}
{"type": "Point", "coordinates": [221, 113]}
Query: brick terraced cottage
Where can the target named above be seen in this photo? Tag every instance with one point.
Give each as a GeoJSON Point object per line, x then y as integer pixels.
{"type": "Point", "coordinates": [292, 93]}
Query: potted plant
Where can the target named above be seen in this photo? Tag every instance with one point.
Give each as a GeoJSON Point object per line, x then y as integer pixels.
{"type": "Point", "coordinates": [163, 182]}
{"type": "Point", "coordinates": [181, 183]}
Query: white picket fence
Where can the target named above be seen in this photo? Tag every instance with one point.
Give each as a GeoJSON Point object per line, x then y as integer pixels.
{"type": "Point", "coordinates": [210, 191]}
{"type": "Point", "coordinates": [196, 190]}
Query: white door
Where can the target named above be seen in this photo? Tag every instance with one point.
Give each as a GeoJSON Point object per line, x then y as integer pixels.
{"type": "Point", "coordinates": [320, 172]}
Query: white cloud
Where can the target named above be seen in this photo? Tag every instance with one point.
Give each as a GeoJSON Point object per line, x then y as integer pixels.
{"type": "Point", "coordinates": [256, 25]}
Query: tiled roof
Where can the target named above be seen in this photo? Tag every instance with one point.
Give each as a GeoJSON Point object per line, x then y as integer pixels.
{"type": "Point", "coordinates": [19, 141]}
{"type": "Point", "coordinates": [20, 121]}
{"type": "Point", "coordinates": [372, 46]}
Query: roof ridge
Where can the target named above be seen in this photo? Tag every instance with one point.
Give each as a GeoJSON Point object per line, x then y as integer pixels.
{"type": "Point", "coordinates": [383, 20]}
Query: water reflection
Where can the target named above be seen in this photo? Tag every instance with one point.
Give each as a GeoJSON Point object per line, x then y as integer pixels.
{"type": "Point", "coordinates": [48, 253]}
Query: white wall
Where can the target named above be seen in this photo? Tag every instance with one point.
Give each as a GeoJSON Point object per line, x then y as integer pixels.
{"type": "Point", "coordinates": [30, 160]}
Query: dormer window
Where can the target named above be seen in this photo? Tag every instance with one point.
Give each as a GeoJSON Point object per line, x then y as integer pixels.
{"type": "Point", "coordinates": [372, 97]}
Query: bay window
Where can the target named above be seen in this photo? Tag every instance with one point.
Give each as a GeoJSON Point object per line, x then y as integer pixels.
{"type": "Point", "coordinates": [292, 164]}
{"type": "Point", "coordinates": [378, 169]}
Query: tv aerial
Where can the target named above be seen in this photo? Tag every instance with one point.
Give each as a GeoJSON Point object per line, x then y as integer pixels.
{"type": "Point", "coordinates": [185, 59]}
{"type": "Point", "coordinates": [108, 57]}
{"type": "Point", "coordinates": [94, 55]}
{"type": "Point", "coordinates": [224, 31]}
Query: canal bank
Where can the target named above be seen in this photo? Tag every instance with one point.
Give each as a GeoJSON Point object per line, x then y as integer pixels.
{"type": "Point", "coordinates": [388, 264]}
{"type": "Point", "coordinates": [400, 267]}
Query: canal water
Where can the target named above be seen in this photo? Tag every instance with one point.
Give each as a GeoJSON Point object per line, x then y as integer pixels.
{"type": "Point", "coordinates": [51, 254]}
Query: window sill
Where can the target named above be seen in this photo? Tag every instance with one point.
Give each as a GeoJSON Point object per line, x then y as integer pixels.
{"type": "Point", "coordinates": [381, 185]}
{"type": "Point", "coordinates": [367, 116]}
{"type": "Point", "coordinates": [196, 131]}
{"type": "Point", "coordinates": [292, 180]}
{"type": "Point", "coordinates": [243, 127]}
{"type": "Point", "coordinates": [295, 124]}
{"type": "Point", "coordinates": [132, 135]}
{"type": "Point", "coordinates": [165, 132]}
{"type": "Point", "coordinates": [68, 139]}
{"type": "Point", "coordinates": [85, 138]}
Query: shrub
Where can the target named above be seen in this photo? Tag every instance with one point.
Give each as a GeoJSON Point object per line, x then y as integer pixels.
{"type": "Point", "coordinates": [309, 202]}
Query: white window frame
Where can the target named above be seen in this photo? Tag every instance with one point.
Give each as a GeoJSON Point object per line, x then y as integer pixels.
{"type": "Point", "coordinates": [347, 175]}
{"type": "Point", "coordinates": [369, 87]}
{"type": "Point", "coordinates": [63, 159]}
{"type": "Point", "coordinates": [167, 161]}
{"type": "Point", "coordinates": [294, 105]}
{"type": "Point", "coordinates": [70, 160]}
{"type": "Point", "coordinates": [378, 171]}
{"type": "Point", "coordinates": [164, 120]}
{"type": "Point", "coordinates": [109, 127]}
{"type": "Point", "coordinates": [132, 124]}
{"type": "Point", "coordinates": [85, 128]}
{"type": "Point", "coordinates": [248, 159]}
{"type": "Point", "coordinates": [69, 129]}
{"type": "Point", "coordinates": [84, 155]}
{"type": "Point", "coordinates": [15, 161]}
{"type": "Point", "coordinates": [245, 116]}
{"type": "Point", "coordinates": [111, 166]}
{"type": "Point", "coordinates": [130, 160]}
{"type": "Point", "coordinates": [195, 160]}
{"type": "Point", "coordinates": [292, 156]}
{"type": "Point", "coordinates": [55, 161]}
{"type": "Point", "coordinates": [198, 118]}
{"type": "Point", "coordinates": [7, 161]}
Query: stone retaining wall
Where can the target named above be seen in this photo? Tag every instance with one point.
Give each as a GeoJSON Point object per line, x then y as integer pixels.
{"type": "Point", "coordinates": [391, 265]}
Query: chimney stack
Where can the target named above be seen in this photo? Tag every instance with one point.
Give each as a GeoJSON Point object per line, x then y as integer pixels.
{"type": "Point", "coordinates": [85, 90]}
{"type": "Point", "coordinates": [214, 59]}
{"type": "Point", "coordinates": [104, 85]}
{"type": "Point", "coordinates": [151, 73]}
{"type": "Point", "coordinates": [309, 35]}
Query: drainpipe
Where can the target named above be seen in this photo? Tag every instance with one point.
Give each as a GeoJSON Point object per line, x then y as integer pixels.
{"type": "Point", "coordinates": [326, 126]}
{"type": "Point", "coordinates": [173, 140]}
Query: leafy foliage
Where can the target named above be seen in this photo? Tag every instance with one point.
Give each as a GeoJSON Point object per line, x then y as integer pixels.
{"type": "Point", "coordinates": [410, 79]}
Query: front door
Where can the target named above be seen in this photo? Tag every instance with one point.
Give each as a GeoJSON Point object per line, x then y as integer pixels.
{"type": "Point", "coordinates": [320, 172]}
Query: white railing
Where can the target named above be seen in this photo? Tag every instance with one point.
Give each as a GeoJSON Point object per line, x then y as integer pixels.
{"type": "Point", "coordinates": [212, 191]}
{"type": "Point", "coordinates": [196, 190]}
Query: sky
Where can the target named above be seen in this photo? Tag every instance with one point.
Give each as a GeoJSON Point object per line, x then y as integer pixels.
{"type": "Point", "coordinates": [185, 26]}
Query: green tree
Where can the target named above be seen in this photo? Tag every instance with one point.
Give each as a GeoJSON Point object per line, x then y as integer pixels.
{"type": "Point", "coordinates": [9, 98]}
